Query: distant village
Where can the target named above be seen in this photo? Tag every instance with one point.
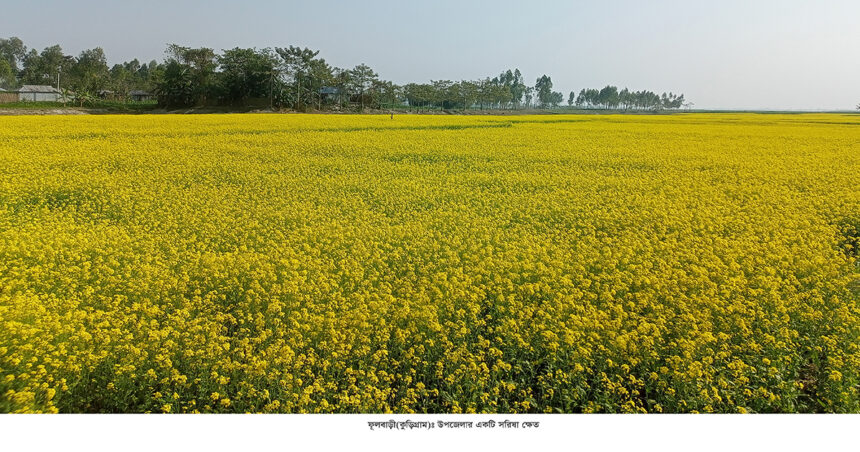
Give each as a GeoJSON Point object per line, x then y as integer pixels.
{"type": "Point", "coordinates": [47, 93]}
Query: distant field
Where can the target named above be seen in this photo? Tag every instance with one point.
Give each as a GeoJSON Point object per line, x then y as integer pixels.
{"type": "Point", "coordinates": [304, 263]}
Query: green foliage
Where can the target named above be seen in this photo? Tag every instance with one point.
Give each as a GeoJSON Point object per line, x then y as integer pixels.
{"type": "Point", "coordinates": [176, 87]}
{"type": "Point", "coordinates": [305, 75]}
{"type": "Point", "coordinates": [7, 75]}
{"type": "Point", "coordinates": [90, 72]}
{"type": "Point", "coordinates": [244, 74]}
{"type": "Point", "coordinates": [12, 51]}
{"type": "Point", "coordinates": [610, 97]}
{"type": "Point", "coordinates": [43, 68]}
{"type": "Point", "coordinates": [288, 77]}
{"type": "Point", "coordinates": [543, 88]}
{"type": "Point", "coordinates": [363, 78]}
{"type": "Point", "coordinates": [197, 73]}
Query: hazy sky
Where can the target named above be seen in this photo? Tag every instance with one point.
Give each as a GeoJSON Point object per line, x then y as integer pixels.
{"type": "Point", "coordinates": [778, 54]}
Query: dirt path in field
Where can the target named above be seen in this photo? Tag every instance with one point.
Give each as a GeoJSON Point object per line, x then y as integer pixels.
{"type": "Point", "coordinates": [41, 111]}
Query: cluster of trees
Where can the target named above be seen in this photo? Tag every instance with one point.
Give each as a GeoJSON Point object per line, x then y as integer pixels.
{"type": "Point", "coordinates": [281, 77]}
{"type": "Point", "coordinates": [298, 78]}
{"type": "Point", "coordinates": [610, 98]}
{"type": "Point", "coordinates": [506, 91]}
{"type": "Point", "coordinates": [288, 77]}
{"type": "Point", "coordinates": [88, 74]}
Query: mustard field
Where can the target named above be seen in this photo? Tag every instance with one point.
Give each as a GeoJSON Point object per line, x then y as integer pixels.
{"type": "Point", "coordinates": [337, 263]}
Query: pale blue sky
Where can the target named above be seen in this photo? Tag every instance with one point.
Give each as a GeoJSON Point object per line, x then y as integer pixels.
{"type": "Point", "coordinates": [779, 54]}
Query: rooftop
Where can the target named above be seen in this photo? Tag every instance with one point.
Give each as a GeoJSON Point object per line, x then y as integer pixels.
{"type": "Point", "coordinates": [37, 89]}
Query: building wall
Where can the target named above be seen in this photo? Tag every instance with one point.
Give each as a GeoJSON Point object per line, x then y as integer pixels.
{"type": "Point", "coordinates": [6, 97]}
{"type": "Point", "coordinates": [39, 97]}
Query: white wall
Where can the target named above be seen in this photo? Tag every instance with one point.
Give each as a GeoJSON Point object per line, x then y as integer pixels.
{"type": "Point", "coordinates": [40, 97]}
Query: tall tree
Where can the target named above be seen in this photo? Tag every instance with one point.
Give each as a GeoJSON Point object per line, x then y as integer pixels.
{"type": "Point", "coordinates": [385, 92]}
{"type": "Point", "coordinates": [442, 93]}
{"type": "Point", "coordinates": [342, 81]}
{"type": "Point", "coordinates": [556, 98]}
{"type": "Point", "coordinates": [296, 65]}
{"type": "Point", "coordinates": [121, 80]}
{"type": "Point", "coordinates": [175, 85]}
{"type": "Point", "coordinates": [418, 94]}
{"type": "Point", "coordinates": [320, 75]}
{"type": "Point", "coordinates": [529, 94]}
{"type": "Point", "coordinates": [543, 89]}
{"type": "Point", "coordinates": [468, 93]}
{"type": "Point", "coordinates": [624, 98]}
{"type": "Point", "coordinates": [200, 64]}
{"type": "Point", "coordinates": [54, 63]}
{"type": "Point", "coordinates": [90, 73]}
{"type": "Point", "coordinates": [13, 51]}
{"type": "Point", "coordinates": [364, 77]}
{"type": "Point", "coordinates": [246, 73]}
{"type": "Point", "coordinates": [608, 97]}
{"type": "Point", "coordinates": [518, 88]}
{"type": "Point", "coordinates": [43, 68]}
{"type": "Point", "coordinates": [7, 75]}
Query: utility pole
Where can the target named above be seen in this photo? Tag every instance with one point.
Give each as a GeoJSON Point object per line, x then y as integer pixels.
{"type": "Point", "coordinates": [60, 69]}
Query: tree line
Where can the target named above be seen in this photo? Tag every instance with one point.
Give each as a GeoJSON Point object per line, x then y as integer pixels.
{"type": "Point", "coordinates": [87, 75]}
{"type": "Point", "coordinates": [289, 77]}
{"type": "Point", "coordinates": [610, 98]}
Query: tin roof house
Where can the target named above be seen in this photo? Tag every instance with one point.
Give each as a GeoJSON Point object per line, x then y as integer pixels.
{"type": "Point", "coordinates": [139, 95]}
{"type": "Point", "coordinates": [39, 93]}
